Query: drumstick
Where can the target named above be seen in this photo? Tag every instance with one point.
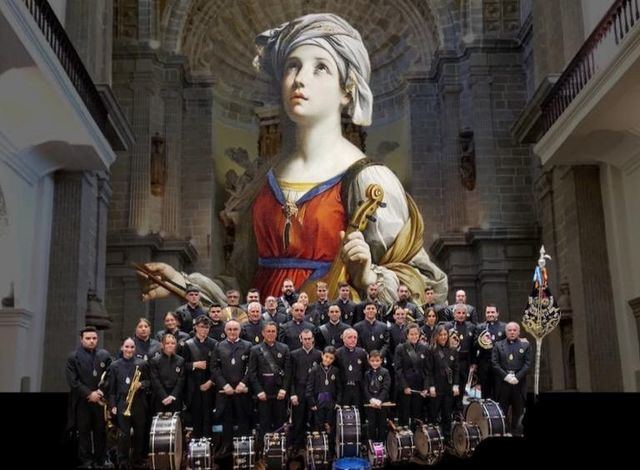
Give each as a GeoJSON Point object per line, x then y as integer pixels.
{"type": "Point", "coordinates": [385, 404]}
{"type": "Point", "coordinates": [419, 392]}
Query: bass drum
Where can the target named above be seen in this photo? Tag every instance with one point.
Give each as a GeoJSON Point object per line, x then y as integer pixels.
{"type": "Point", "coordinates": [317, 452]}
{"type": "Point", "coordinates": [200, 454]}
{"type": "Point", "coordinates": [165, 441]}
{"type": "Point", "coordinates": [244, 453]}
{"type": "Point", "coordinates": [466, 438]}
{"type": "Point", "coordinates": [400, 445]}
{"type": "Point", "coordinates": [377, 454]}
{"type": "Point", "coordinates": [429, 443]}
{"type": "Point", "coordinates": [348, 432]}
{"type": "Point", "coordinates": [275, 450]}
{"type": "Point", "coordinates": [488, 416]}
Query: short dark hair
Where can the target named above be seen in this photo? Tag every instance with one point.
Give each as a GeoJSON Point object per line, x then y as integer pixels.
{"type": "Point", "coordinates": [200, 319]}
{"type": "Point", "coordinates": [492, 305]}
{"type": "Point", "coordinates": [269, 323]}
{"type": "Point", "coordinates": [369, 302]}
{"type": "Point", "coordinates": [215, 304]}
{"type": "Point", "coordinates": [88, 329]}
{"type": "Point", "coordinates": [428, 288]}
{"type": "Point", "coordinates": [342, 284]}
{"type": "Point", "coordinates": [253, 290]}
{"type": "Point", "coordinates": [411, 326]}
{"type": "Point", "coordinates": [329, 350]}
{"type": "Point", "coordinates": [375, 353]}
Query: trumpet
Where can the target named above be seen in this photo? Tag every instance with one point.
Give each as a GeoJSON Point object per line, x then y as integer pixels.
{"type": "Point", "coordinates": [484, 339]}
{"type": "Point", "coordinates": [104, 404]}
{"type": "Point", "coordinates": [133, 388]}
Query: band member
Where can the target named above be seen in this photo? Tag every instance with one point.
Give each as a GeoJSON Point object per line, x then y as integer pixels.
{"type": "Point", "coordinates": [230, 367]}
{"type": "Point", "coordinates": [271, 312]}
{"type": "Point", "coordinates": [302, 362]}
{"type": "Point", "coordinates": [191, 310]}
{"type": "Point", "coordinates": [511, 358]}
{"type": "Point", "coordinates": [487, 335]}
{"type": "Point", "coordinates": [470, 310]}
{"type": "Point", "coordinates": [442, 378]}
{"type": "Point", "coordinates": [330, 334]}
{"type": "Point", "coordinates": [465, 331]}
{"type": "Point", "coordinates": [347, 306]}
{"type": "Point", "coordinates": [430, 321]}
{"type": "Point", "coordinates": [199, 392]}
{"type": "Point", "coordinates": [398, 330]}
{"type": "Point", "coordinates": [253, 295]}
{"type": "Point", "coordinates": [324, 391]}
{"type": "Point", "coordinates": [318, 312]}
{"type": "Point", "coordinates": [430, 302]}
{"type": "Point", "coordinates": [290, 331]}
{"type": "Point", "coordinates": [270, 375]}
{"type": "Point", "coordinates": [377, 388]}
{"type": "Point", "coordinates": [372, 296]}
{"type": "Point", "coordinates": [404, 300]}
{"type": "Point", "coordinates": [252, 330]}
{"type": "Point", "coordinates": [233, 311]}
{"type": "Point", "coordinates": [172, 325]}
{"type": "Point", "coordinates": [288, 298]}
{"type": "Point", "coordinates": [411, 375]}
{"type": "Point", "coordinates": [84, 370]}
{"type": "Point", "coordinates": [167, 377]}
{"type": "Point", "coordinates": [129, 386]}
{"type": "Point", "coordinates": [146, 346]}
{"type": "Point", "coordinates": [372, 334]}
{"type": "Point", "coordinates": [216, 330]}
{"type": "Point", "coordinates": [352, 361]}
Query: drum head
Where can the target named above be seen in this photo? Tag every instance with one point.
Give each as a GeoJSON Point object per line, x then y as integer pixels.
{"type": "Point", "coordinates": [393, 446]}
{"type": "Point", "coordinates": [476, 413]}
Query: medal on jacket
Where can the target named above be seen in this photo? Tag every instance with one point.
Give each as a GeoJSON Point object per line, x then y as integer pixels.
{"type": "Point", "coordinates": [127, 380]}
{"type": "Point", "coordinates": [233, 361]}
{"type": "Point", "coordinates": [373, 338]}
{"type": "Point", "coordinates": [290, 210]}
{"type": "Point", "coordinates": [257, 339]}
{"type": "Point", "coordinates": [511, 357]}
{"type": "Point", "coordinates": [95, 373]}
{"type": "Point", "coordinates": [326, 381]}
{"type": "Point", "coordinates": [350, 367]}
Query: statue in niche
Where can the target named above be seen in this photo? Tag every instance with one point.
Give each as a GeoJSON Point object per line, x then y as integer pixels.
{"type": "Point", "coordinates": [467, 159]}
{"type": "Point", "coordinates": [300, 203]}
{"type": "Point", "coordinates": [158, 165]}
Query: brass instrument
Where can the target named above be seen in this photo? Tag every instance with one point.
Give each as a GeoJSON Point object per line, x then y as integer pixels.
{"type": "Point", "coordinates": [133, 388]}
{"type": "Point", "coordinates": [105, 405]}
{"type": "Point", "coordinates": [484, 339]}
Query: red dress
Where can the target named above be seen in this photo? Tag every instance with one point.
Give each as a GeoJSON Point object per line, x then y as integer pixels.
{"type": "Point", "coordinates": [314, 235]}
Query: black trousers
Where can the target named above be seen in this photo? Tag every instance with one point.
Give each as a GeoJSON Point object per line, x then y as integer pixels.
{"type": "Point", "coordinates": [200, 409]}
{"type": "Point", "coordinates": [487, 380]}
{"type": "Point", "coordinates": [376, 424]}
{"type": "Point", "coordinates": [441, 407]}
{"type": "Point", "coordinates": [137, 421]}
{"type": "Point", "coordinates": [514, 396]}
{"type": "Point", "coordinates": [410, 408]}
{"type": "Point", "coordinates": [300, 419]}
{"type": "Point", "coordinates": [90, 421]}
{"type": "Point", "coordinates": [272, 414]}
{"type": "Point", "coordinates": [351, 396]}
{"type": "Point", "coordinates": [237, 410]}
{"type": "Point", "coordinates": [463, 375]}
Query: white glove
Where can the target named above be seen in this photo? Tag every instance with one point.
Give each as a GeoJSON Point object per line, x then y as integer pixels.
{"type": "Point", "coordinates": [514, 381]}
{"type": "Point", "coordinates": [509, 377]}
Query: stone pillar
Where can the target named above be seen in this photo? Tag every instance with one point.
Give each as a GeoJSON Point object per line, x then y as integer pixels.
{"type": "Point", "coordinates": [72, 270]}
{"type": "Point", "coordinates": [594, 329]}
{"type": "Point", "coordinates": [173, 193]}
{"type": "Point", "coordinates": [15, 324]}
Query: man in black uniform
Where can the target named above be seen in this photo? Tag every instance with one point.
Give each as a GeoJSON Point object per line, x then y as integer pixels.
{"type": "Point", "coordinates": [252, 330]}
{"type": "Point", "coordinates": [253, 295]}
{"type": "Point", "coordinates": [347, 306]}
{"type": "Point", "coordinates": [373, 334]}
{"type": "Point", "coordinates": [302, 361]}
{"type": "Point", "coordinates": [146, 346]}
{"type": "Point", "coordinates": [466, 350]}
{"type": "Point", "coordinates": [271, 312]}
{"type": "Point", "coordinates": [470, 310]}
{"type": "Point", "coordinates": [288, 298]}
{"type": "Point", "coordinates": [290, 331]}
{"type": "Point", "coordinates": [398, 330]}
{"type": "Point", "coordinates": [270, 375]}
{"type": "Point", "coordinates": [488, 334]}
{"type": "Point", "coordinates": [324, 391]}
{"type": "Point", "coordinates": [330, 334]}
{"type": "Point", "coordinates": [372, 296]}
{"type": "Point", "coordinates": [233, 311]}
{"type": "Point", "coordinates": [430, 302]}
{"type": "Point", "coordinates": [411, 375]}
{"type": "Point", "coordinates": [191, 310]}
{"type": "Point", "coordinates": [216, 330]}
{"type": "Point", "coordinates": [352, 362]}
{"type": "Point", "coordinates": [84, 370]}
{"type": "Point", "coordinates": [377, 387]}
{"type": "Point", "coordinates": [200, 392]}
{"type": "Point", "coordinates": [121, 380]}
{"type": "Point", "coordinates": [318, 312]}
{"type": "Point", "coordinates": [511, 358]}
{"type": "Point", "coordinates": [230, 368]}
{"type": "Point", "coordinates": [172, 325]}
{"type": "Point", "coordinates": [404, 300]}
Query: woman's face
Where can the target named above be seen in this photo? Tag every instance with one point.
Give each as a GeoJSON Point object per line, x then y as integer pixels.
{"type": "Point", "coordinates": [311, 85]}
{"type": "Point", "coordinates": [443, 337]}
{"type": "Point", "coordinates": [431, 318]}
{"type": "Point", "coordinates": [170, 323]}
{"type": "Point", "coordinates": [143, 331]}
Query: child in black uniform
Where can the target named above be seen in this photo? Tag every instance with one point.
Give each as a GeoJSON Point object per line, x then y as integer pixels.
{"type": "Point", "coordinates": [324, 392]}
{"type": "Point", "coordinates": [377, 384]}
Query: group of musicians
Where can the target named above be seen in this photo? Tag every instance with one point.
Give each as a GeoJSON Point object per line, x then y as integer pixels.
{"type": "Point", "coordinates": [246, 366]}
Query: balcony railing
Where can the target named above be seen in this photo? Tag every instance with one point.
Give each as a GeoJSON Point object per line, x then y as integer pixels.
{"type": "Point", "coordinates": [62, 47]}
{"type": "Point", "coordinates": [596, 54]}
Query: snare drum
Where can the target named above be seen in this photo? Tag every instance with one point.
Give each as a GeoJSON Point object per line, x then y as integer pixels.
{"type": "Point", "coordinates": [400, 445]}
{"type": "Point", "coordinates": [165, 441]}
{"type": "Point", "coordinates": [275, 450]}
{"type": "Point", "coordinates": [348, 432]}
{"type": "Point", "coordinates": [465, 438]}
{"type": "Point", "coordinates": [200, 454]}
{"type": "Point", "coordinates": [377, 454]}
{"type": "Point", "coordinates": [244, 453]}
{"type": "Point", "coordinates": [429, 443]}
{"type": "Point", "coordinates": [488, 416]}
{"type": "Point", "coordinates": [317, 452]}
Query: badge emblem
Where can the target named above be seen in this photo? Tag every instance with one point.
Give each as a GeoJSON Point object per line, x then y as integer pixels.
{"type": "Point", "coordinates": [102, 365]}
{"type": "Point", "coordinates": [279, 355]}
{"type": "Point", "coordinates": [421, 356]}
{"type": "Point", "coordinates": [178, 369]}
{"type": "Point", "coordinates": [127, 380]}
{"type": "Point", "coordinates": [223, 336]}
{"type": "Point", "coordinates": [521, 351]}
{"type": "Point", "coordinates": [350, 367]}
{"type": "Point", "coordinates": [499, 333]}
{"type": "Point", "coordinates": [145, 357]}
{"type": "Point", "coordinates": [511, 357]}
{"type": "Point", "coordinates": [257, 339]}
{"type": "Point", "coordinates": [373, 338]}
{"type": "Point", "coordinates": [451, 358]}
{"type": "Point", "coordinates": [95, 373]}
{"type": "Point", "coordinates": [359, 361]}
{"type": "Point", "coordinates": [233, 361]}
{"type": "Point", "coordinates": [381, 336]}
{"type": "Point", "coordinates": [469, 334]}
{"type": "Point", "coordinates": [333, 377]}
{"type": "Point", "coordinates": [326, 382]}
{"type": "Point", "coordinates": [333, 341]}
{"type": "Point", "coordinates": [380, 378]}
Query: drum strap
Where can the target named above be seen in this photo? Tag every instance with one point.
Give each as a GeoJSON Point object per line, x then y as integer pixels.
{"type": "Point", "coordinates": [324, 329]}
{"type": "Point", "coordinates": [413, 357]}
{"type": "Point", "coordinates": [193, 349]}
{"type": "Point", "coordinates": [272, 363]}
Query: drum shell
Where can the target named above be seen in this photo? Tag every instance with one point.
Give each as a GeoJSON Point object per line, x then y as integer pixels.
{"type": "Point", "coordinates": [465, 437]}
{"type": "Point", "coordinates": [377, 454]}
{"type": "Point", "coordinates": [348, 432]}
{"type": "Point", "coordinates": [429, 443]}
{"type": "Point", "coordinates": [317, 451]}
{"type": "Point", "coordinates": [400, 445]}
{"type": "Point", "coordinates": [275, 450]}
{"type": "Point", "coordinates": [487, 415]}
{"type": "Point", "coordinates": [244, 453]}
{"type": "Point", "coordinates": [165, 442]}
{"type": "Point", "coordinates": [200, 454]}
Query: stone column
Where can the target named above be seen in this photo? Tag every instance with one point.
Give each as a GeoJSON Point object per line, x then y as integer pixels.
{"type": "Point", "coordinates": [173, 190]}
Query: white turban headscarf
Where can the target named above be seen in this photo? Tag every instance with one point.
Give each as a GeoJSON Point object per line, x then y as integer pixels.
{"type": "Point", "coordinates": [335, 36]}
